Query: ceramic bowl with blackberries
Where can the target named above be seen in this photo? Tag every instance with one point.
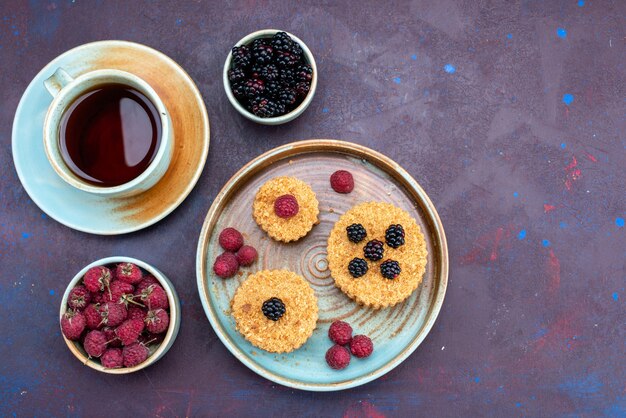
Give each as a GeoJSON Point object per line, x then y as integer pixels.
{"type": "Point", "coordinates": [270, 77]}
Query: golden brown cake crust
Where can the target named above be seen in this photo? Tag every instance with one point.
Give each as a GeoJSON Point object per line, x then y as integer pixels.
{"type": "Point", "coordinates": [373, 289]}
{"type": "Point", "coordinates": [281, 229]}
{"type": "Point", "coordinates": [293, 328]}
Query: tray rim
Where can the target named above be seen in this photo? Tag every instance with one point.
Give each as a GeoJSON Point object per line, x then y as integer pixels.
{"type": "Point", "coordinates": [343, 147]}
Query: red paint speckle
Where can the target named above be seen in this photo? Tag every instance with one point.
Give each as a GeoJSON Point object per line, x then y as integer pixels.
{"type": "Point", "coordinates": [548, 208]}
{"type": "Point", "coordinates": [554, 273]}
{"type": "Point", "coordinates": [486, 248]}
{"type": "Point", "coordinates": [591, 157]}
{"type": "Point", "coordinates": [572, 173]}
{"type": "Point", "coordinates": [362, 409]}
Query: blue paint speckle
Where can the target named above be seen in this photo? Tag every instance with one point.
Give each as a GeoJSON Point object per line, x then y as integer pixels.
{"type": "Point", "coordinates": [518, 404]}
{"type": "Point", "coordinates": [397, 80]}
{"type": "Point", "coordinates": [619, 222]}
{"type": "Point", "coordinates": [51, 292]}
{"type": "Point", "coordinates": [563, 145]}
{"type": "Point", "coordinates": [26, 235]}
{"type": "Point", "coordinates": [414, 57]}
{"type": "Point", "coordinates": [16, 32]}
{"type": "Point", "coordinates": [515, 194]}
{"type": "Point", "coordinates": [449, 68]}
{"type": "Point", "coordinates": [545, 243]}
{"type": "Point", "coordinates": [568, 99]}
{"type": "Point", "coordinates": [563, 224]}
{"type": "Point", "coordinates": [477, 379]}
{"type": "Point", "coordinates": [561, 33]}
{"type": "Point", "coordinates": [615, 296]}
{"type": "Point", "coordinates": [179, 22]}
{"type": "Point", "coordinates": [581, 3]}
{"type": "Point", "coordinates": [509, 35]}
{"type": "Point", "coordinates": [522, 234]}
{"type": "Point", "coordinates": [325, 110]}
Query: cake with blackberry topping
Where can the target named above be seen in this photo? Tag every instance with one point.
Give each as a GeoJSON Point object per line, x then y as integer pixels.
{"type": "Point", "coordinates": [275, 310]}
{"type": "Point", "coordinates": [377, 254]}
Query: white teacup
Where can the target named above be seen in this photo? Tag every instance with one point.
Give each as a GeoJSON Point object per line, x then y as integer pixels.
{"type": "Point", "coordinates": [65, 91]}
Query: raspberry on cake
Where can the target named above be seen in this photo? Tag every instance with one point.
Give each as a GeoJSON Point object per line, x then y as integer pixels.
{"type": "Point", "coordinates": [276, 310]}
{"type": "Point", "coordinates": [286, 208]}
{"type": "Point", "coordinates": [386, 269]}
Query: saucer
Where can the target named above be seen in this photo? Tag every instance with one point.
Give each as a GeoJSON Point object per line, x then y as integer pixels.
{"type": "Point", "coordinates": [97, 214]}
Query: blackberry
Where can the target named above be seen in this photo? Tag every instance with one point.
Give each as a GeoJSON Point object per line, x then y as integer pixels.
{"type": "Point", "coordinates": [296, 50]}
{"type": "Point", "coordinates": [269, 72]}
{"type": "Point", "coordinates": [254, 87]}
{"type": "Point", "coordinates": [287, 96]}
{"type": "Point", "coordinates": [356, 233]}
{"type": "Point", "coordinates": [304, 72]}
{"type": "Point", "coordinates": [273, 88]}
{"type": "Point", "coordinates": [288, 77]}
{"type": "Point", "coordinates": [267, 108]}
{"type": "Point", "coordinates": [302, 89]}
{"type": "Point", "coordinates": [273, 309]}
{"type": "Point", "coordinates": [239, 90]}
{"type": "Point", "coordinates": [262, 54]}
{"type": "Point", "coordinates": [394, 236]}
{"type": "Point", "coordinates": [255, 71]}
{"type": "Point", "coordinates": [390, 269]}
{"type": "Point", "coordinates": [236, 74]}
{"type": "Point", "coordinates": [357, 267]}
{"type": "Point", "coordinates": [241, 57]}
{"type": "Point", "coordinates": [373, 250]}
{"type": "Point", "coordinates": [282, 42]}
{"type": "Point", "coordinates": [285, 59]}
{"type": "Point", "coordinates": [259, 42]}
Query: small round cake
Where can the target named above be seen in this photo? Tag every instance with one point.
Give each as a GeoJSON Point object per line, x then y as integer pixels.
{"type": "Point", "coordinates": [377, 254]}
{"type": "Point", "coordinates": [286, 208]}
{"type": "Point", "coordinates": [276, 310]}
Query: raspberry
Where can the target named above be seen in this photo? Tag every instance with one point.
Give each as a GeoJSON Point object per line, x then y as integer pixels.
{"type": "Point", "coordinates": [113, 314]}
{"type": "Point", "coordinates": [79, 298]}
{"type": "Point", "coordinates": [361, 346]}
{"type": "Point", "coordinates": [146, 282]}
{"type": "Point", "coordinates": [73, 324]}
{"type": "Point", "coordinates": [157, 321]}
{"type": "Point", "coordinates": [342, 181]}
{"type": "Point", "coordinates": [121, 292]}
{"type": "Point", "coordinates": [394, 236]}
{"type": "Point", "coordinates": [340, 332]}
{"type": "Point", "coordinates": [226, 265]}
{"type": "Point", "coordinates": [135, 354]}
{"type": "Point", "coordinates": [93, 318]}
{"type": "Point", "coordinates": [390, 269]}
{"type": "Point", "coordinates": [357, 267]}
{"type": "Point", "coordinates": [112, 358]}
{"type": "Point", "coordinates": [246, 255]}
{"type": "Point", "coordinates": [95, 343]}
{"type": "Point", "coordinates": [135, 312]}
{"type": "Point", "coordinates": [112, 339]}
{"type": "Point", "coordinates": [129, 331]}
{"type": "Point", "coordinates": [286, 206]}
{"type": "Point", "coordinates": [374, 250]}
{"type": "Point", "coordinates": [154, 297]}
{"type": "Point", "coordinates": [230, 239]}
{"type": "Point", "coordinates": [129, 273]}
{"type": "Point", "coordinates": [97, 297]}
{"type": "Point", "coordinates": [338, 357]}
{"type": "Point", "coordinates": [356, 233]}
{"type": "Point", "coordinates": [273, 309]}
{"type": "Point", "coordinates": [97, 278]}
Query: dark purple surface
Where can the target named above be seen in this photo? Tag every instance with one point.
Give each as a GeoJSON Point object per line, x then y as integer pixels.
{"type": "Point", "coordinates": [472, 98]}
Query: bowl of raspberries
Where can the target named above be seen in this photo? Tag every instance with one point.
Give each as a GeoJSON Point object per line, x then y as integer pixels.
{"type": "Point", "coordinates": [270, 77]}
{"type": "Point", "coordinates": [119, 315]}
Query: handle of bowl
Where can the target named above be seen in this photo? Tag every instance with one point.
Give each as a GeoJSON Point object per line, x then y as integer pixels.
{"type": "Point", "coordinates": [57, 81]}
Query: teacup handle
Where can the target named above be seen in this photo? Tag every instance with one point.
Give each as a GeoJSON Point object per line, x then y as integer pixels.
{"type": "Point", "coordinates": [57, 81]}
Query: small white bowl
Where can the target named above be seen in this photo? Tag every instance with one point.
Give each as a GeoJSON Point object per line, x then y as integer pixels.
{"type": "Point", "coordinates": [268, 33]}
{"type": "Point", "coordinates": [77, 349]}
